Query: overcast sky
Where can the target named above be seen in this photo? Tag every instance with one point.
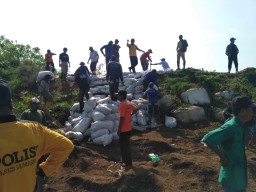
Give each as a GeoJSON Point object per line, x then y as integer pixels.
{"type": "Point", "coordinates": [207, 25]}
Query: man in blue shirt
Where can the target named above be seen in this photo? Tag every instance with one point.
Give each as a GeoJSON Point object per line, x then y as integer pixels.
{"type": "Point", "coordinates": [228, 142]}
{"type": "Point", "coordinates": [152, 94]}
{"type": "Point", "coordinates": [164, 64]}
{"type": "Point", "coordinates": [108, 51]}
{"type": "Point", "coordinates": [151, 76]}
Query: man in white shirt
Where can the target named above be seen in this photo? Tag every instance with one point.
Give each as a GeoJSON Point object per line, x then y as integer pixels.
{"type": "Point", "coordinates": [94, 57]}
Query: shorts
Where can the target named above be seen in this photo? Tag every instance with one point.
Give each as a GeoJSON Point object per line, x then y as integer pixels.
{"type": "Point", "coordinates": [64, 67]}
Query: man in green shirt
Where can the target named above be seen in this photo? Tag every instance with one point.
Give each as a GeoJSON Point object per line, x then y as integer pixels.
{"type": "Point", "coordinates": [228, 142]}
{"type": "Point", "coordinates": [34, 113]}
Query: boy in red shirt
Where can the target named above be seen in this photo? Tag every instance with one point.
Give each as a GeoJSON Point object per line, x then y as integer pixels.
{"type": "Point", "coordinates": [49, 60]}
{"type": "Point", "coordinates": [144, 58]}
{"type": "Point", "coordinates": [126, 110]}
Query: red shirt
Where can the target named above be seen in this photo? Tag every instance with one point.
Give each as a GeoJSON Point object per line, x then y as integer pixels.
{"type": "Point", "coordinates": [125, 110]}
{"type": "Point", "coordinates": [48, 57]}
{"type": "Point", "coordinates": [145, 55]}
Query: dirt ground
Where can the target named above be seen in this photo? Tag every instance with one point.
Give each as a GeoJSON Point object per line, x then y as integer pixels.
{"type": "Point", "coordinates": [185, 165]}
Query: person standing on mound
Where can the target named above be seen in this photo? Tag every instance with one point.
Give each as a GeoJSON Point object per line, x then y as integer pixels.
{"type": "Point", "coordinates": [108, 52]}
{"type": "Point", "coordinates": [94, 57]}
{"type": "Point", "coordinates": [181, 49]}
{"type": "Point", "coordinates": [133, 55]}
{"type": "Point", "coordinates": [232, 52]}
{"type": "Point", "coordinates": [64, 64]}
{"type": "Point", "coordinates": [144, 58]}
{"type": "Point", "coordinates": [49, 60]}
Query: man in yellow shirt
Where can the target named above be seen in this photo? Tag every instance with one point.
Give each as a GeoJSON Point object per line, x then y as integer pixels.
{"type": "Point", "coordinates": [22, 143]}
{"type": "Point", "coordinates": [133, 54]}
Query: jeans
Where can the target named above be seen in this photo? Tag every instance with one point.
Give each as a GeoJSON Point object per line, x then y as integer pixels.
{"type": "Point", "coordinates": [125, 148]}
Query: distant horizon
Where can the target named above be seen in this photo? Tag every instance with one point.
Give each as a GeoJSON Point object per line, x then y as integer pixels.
{"type": "Point", "coordinates": [206, 25]}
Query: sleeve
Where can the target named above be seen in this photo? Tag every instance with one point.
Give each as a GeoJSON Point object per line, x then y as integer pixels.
{"type": "Point", "coordinates": [59, 148]}
{"type": "Point", "coordinates": [218, 136]}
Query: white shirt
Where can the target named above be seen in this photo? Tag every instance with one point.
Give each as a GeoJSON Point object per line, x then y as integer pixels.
{"type": "Point", "coordinates": [94, 56]}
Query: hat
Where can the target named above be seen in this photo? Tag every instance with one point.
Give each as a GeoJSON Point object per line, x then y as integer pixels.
{"type": "Point", "coordinates": [150, 50]}
{"type": "Point", "coordinates": [5, 93]}
{"type": "Point", "coordinates": [82, 63]}
{"type": "Point", "coordinates": [121, 92]}
{"type": "Point", "coordinates": [163, 59]}
{"type": "Point", "coordinates": [242, 102]}
{"type": "Point", "coordinates": [34, 100]}
{"type": "Point", "coordinates": [116, 40]}
{"type": "Point", "coordinates": [232, 38]}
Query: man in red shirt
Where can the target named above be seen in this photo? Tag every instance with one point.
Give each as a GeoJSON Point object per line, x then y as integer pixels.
{"type": "Point", "coordinates": [49, 60]}
{"type": "Point", "coordinates": [144, 58]}
{"type": "Point", "coordinates": [126, 110]}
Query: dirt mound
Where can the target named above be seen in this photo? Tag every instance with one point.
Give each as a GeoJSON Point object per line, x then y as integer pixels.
{"type": "Point", "coordinates": [185, 165]}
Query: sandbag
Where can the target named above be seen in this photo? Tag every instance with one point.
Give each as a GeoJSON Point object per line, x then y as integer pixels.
{"type": "Point", "coordinates": [102, 125]}
{"type": "Point", "coordinates": [105, 100]}
{"type": "Point", "coordinates": [75, 114]}
{"type": "Point", "coordinates": [82, 125]}
{"type": "Point", "coordinates": [75, 121]}
{"type": "Point", "coordinates": [115, 136]}
{"type": "Point", "coordinates": [103, 140]}
{"type": "Point", "coordinates": [170, 122]}
{"type": "Point", "coordinates": [99, 133]}
{"type": "Point", "coordinates": [113, 107]}
{"type": "Point", "coordinates": [103, 108]}
{"type": "Point", "coordinates": [89, 106]}
{"type": "Point", "coordinates": [68, 126]}
{"type": "Point", "coordinates": [74, 135]}
{"type": "Point", "coordinates": [75, 107]}
{"type": "Point", "coordinates": [98, 116]}
{"type": "Point", "coordinates": [41, 75]}
{"type": "Point", "coordinates": [141, 118]}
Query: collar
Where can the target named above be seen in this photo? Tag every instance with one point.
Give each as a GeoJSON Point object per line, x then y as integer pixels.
{"type": "Point", "coordinates": [8, 118]}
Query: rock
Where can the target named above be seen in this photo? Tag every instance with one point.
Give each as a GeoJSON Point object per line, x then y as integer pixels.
{"type": "Point", "coordinates": [196, 96]}
{"type": "Point", "coordinates": [228, 95]}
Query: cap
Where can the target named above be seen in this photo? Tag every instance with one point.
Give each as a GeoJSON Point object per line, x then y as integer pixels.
{"type": "Point", "coordinates": [5, 93]}
{"type": "Point", "coordinates": [65, 49]}
{"type": "Point", "coordinates": [163, 59]}
{"type": "Point", "coordinates": [116, 40]}
{"type": "Point", "coordinates": [121, 92]}
{"type": "Point", "coordinates": [34, 100]}
{"type": "Point", "coordinates": [232, 38]}
{"type": "Point", "coordinates": [242, 102]}
{"type": "Point", "coordinates": [150, 50]}
{"type": "Point", "coordinates": [151, 84]}
{"type": "Point", "coordinates": [82, 63]}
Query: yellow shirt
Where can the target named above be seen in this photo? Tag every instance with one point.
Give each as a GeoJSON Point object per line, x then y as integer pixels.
{"type": "Point", "coordinates": [21, 145]}
{"type": "Point", "coordinates": [132, 49]}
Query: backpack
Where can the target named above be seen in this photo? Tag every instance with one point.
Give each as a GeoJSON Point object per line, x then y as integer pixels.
{"type": "Point", "coordinates": [184, 45]}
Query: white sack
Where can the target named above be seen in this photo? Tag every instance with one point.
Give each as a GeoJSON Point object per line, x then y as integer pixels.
{"type": "Point", "coordinates": [115, 136]}
{"type": "Point", "coordinates": [41, 75]}
{"type": "Point", "coordinates": [74, 135]}
{"type": "Point", "coordinates": [141, 118]}
{"type": "Point", "coordinates": [75, 121]}
{"type": "Point", "coordinates": [99, 133]}
{"type": "Point", "coordinates": [75, 107]}
{"type": "Point", "coordinates": [98, 116]}
{"type": "Point", "coordinates": [102, 125]}
{"type": "Point", "coordinates": [170, 122]}
{"type": "Point", "coordinates": [103, 108]}
{"type": "Point", "coordinates": [113, 107]}
{"type": "Point", "coordinates": [68, 126]}
{"type": "Point", "coordinates": [82, 125]}
{"type": "Point", "coordinates": [105, 100]}
{"type": "Point", "coordinates": [103, 140]}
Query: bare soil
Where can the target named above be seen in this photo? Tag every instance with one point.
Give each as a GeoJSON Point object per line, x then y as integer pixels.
{"type": "Point", "coordinates": [185, 165]}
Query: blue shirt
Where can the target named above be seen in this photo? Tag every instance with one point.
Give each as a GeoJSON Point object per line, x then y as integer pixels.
{"type": "Point", "coordinates": [108, 50]}
{"type": "Point", "coordinates": [151, 77]}
{"type": "Point", "coordinates": [152, 95]}
{"type": "Point", "coordinates": [165, 65]}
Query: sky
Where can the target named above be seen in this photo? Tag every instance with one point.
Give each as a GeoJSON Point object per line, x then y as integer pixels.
{"type": "Point", "coordinates": [207, 25]}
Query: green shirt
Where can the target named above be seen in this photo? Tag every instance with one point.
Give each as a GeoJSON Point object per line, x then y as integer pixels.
{"type": "Point", "coordinates": [37, 116]}
{"type": "Point", "coordinates": [230, 140]}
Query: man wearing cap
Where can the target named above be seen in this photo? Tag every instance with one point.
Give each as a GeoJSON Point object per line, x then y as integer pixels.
{"type": "Point", "coordinates": [34, 113]}
{"type": "Point", "coordinates": [164, 64]}
{"type": "Point", "coordinates": [133, 55]}
{"type": "Point", "coordinates": [49, 60]}
{"type": "Point", "coordinates": [64, 64]}
{"type": "Point", "coordinates": [82, 76]}
{"type": "Point", "coordinates": [116, 48]}
{"type": "Point", "coordinates": [228, 142]}
{"type": "Point", "coordinates": [181, 49]}
{"type": "Point", "coordinates": [126, 110]}
{"type": "Point", "coordinates": [144, 58]}
{"type": "Point", "coordinates": [108, 51]}
{"type": "Point", "coordinates": [22, 144]}
{"type": "Point", "coordinates": [232, 52]}
{"type": "Point", "coordinates": [94, 57]}
{"type": "Point", "coordinates": [114, 75]}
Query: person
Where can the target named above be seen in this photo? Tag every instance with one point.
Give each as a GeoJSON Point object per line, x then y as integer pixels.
{"type": "Point", "coordinates": [250, 137]}
{"type": "Point", "coordinates": [164, 64]}
{"type": "Point", "coordinates": [44, 90]}
{"type": "Point", "coordinates": [228, 112]}
{"type": "Point", "coordinates": [94, 57]}
{"type": "Point", "coordinates": [133, 55]}
{"type": "Point", "coordinates": [108, 51]}
{"type": "Point", "coordinates": [34, 113]}
{"type": "Point", "coordinates": [151, 76]}
{"type": "Point", "coordinates": [82, 76]}
{"type": "Point", "coordinates": [22, 144]}
{"type": "Point", "coordinates": [64, 64]}
{"type": "Point", "coordinates": [228, 142]}
{"type": "Point", "coordinates": [49, 60]}
{"type": "Point", "coordinates": [116, 48]}
{"type": "Point", "coordinates": [126, 110]}
{"type": "Point", "coordinates": [181, 49]}
{"type": "Point", "coordinates": [232, 52]}
{"type": "Point", "coordinates": [114, 74]}
{"type": "Point", "coordinates": [144, 59]}
{"type": "Point", "coordinates": [152, 94]}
